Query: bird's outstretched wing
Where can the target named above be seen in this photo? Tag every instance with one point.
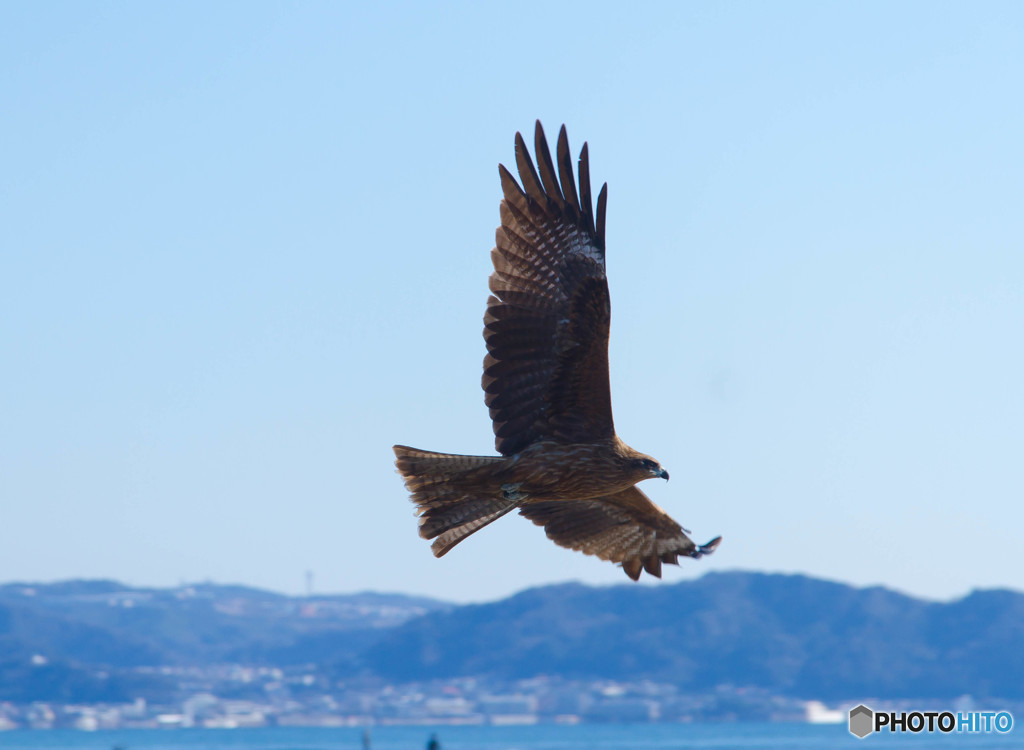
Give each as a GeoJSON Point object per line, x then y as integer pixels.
{"type": "Point", "coordinates": [547, 320]}
{"type": "Point", "coordinates": [625, 528]}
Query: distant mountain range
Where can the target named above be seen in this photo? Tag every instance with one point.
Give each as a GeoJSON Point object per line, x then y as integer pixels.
{"type": "Point", "coordinates": [790, 634]}
{"type": "Point", "coordinates": [89, 640]}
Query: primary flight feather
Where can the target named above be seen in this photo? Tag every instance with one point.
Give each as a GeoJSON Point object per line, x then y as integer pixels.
{"type": "Point", "coordinates": [546, 385]}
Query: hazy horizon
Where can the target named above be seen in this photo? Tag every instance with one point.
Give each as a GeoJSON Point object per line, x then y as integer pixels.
{"type": "Point", "coordinates": [648, 583]}
{"type": "Point", "coordinates": [244, 250]}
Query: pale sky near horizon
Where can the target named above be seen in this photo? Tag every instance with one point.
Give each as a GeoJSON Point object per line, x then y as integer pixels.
{"type": "Point", "coordinates": [244, 249]}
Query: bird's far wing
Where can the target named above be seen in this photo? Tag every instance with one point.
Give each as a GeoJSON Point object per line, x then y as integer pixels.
{"type": "Point", "coordinates": [625, 528]}
{"type": "Point", "coordinates": [547, 320]}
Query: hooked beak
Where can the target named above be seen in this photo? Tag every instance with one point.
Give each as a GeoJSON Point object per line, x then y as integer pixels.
{"type": "Point", "coordinates": [662, 473]}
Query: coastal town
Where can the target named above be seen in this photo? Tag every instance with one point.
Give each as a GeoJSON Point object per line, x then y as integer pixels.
{"type": "Point", "coordinates": [275, 697]}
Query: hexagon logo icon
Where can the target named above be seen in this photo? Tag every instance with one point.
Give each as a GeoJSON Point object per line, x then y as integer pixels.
{"type": "Point", "coordinates": [862, 720]}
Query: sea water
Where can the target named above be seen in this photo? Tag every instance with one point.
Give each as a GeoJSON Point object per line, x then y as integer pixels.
{"type": "Point", "coordinates": [540, 737]}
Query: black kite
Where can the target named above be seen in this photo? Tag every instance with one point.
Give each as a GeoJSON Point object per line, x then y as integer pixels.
{"type": "Point", "coordinates": [546, 385]}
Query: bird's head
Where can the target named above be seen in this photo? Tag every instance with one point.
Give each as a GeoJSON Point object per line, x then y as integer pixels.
{"type": "Point", "coordinates": [646, 467]}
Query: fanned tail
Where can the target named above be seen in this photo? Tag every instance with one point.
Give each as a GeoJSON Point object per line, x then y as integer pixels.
{"type": "Point", "coordinates": [452, 493]}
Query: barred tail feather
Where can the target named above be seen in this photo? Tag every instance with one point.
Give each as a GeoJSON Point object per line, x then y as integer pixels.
{"type": "Point", "coordinates": [453, 534]}
{"type": "Point", "coordinates": [425, 468]}
{"type": "Point", "coordinates": [451, 494]}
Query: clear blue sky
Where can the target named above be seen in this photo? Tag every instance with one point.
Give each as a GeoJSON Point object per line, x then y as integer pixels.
{"type": "Point", "coordinates": [244, 249]}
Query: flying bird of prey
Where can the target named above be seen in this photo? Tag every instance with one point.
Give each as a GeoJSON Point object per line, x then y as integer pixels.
{"type": "Point", "coordinates": [546, 384]}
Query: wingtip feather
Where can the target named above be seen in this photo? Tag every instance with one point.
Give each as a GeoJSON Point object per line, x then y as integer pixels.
{"type": "Point", "coordinates": [565, 174]}
{"type": "Point", "coordinates": [527, 172]}
{"type": "Point", "coordinates": [602, 205]}
{"type": "Point", "coordinates": [546, 167]}
{"type": "Point", "coordinates": [633, 568]}
{"type": "Point", "coordinates": [652, 564]}
{"type": "Point", "coordinates": [586, 200]}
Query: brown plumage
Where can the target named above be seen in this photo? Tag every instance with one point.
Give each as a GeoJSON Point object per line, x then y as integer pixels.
{"type": "Point", "coordinates": [546, 384]}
